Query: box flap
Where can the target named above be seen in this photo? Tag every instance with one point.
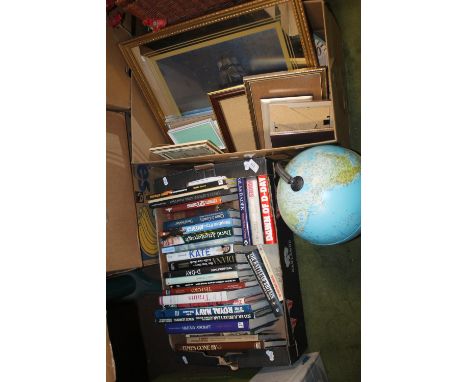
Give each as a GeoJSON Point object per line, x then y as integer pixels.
{"type": "Point", "coordinates": [122, 250]}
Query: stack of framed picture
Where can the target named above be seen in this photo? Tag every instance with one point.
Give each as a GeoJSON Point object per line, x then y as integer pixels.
{"type": "Point", "coordinates": [215, 78]}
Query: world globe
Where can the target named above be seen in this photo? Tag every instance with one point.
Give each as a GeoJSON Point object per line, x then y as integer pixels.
{"type": "Point", "coordinates": [327, 209]}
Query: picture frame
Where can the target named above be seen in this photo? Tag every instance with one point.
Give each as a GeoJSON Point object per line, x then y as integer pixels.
{"type": "Point", "coordinates": [301, 82]}
{"type": "Point", "coordinates": [206, 129]}
{"type": "Point", "coordinates": [231, 109]}
{"type": "Point", "coordinates": [230, 24]}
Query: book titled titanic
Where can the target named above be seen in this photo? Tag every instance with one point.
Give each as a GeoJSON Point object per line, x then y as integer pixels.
{"type": "Point", "coordinates": [264, 281]}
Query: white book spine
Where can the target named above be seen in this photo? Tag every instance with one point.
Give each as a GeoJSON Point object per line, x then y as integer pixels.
{"type": "Point", "coordinates": [200, 253]}
{"type": "Point", "coordinates": [202, 278]}
{"type": "Point", "coordinates": [255, 217]}
{"type": "Point", "coordinates": [275, 281]}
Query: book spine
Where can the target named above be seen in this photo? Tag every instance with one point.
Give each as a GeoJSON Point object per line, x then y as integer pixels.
{"type": "Point", "coordinates": [206, 226]}
{"type": "Point", "coordinates": [244, 213]}
{"type": "Point", "coordinates": [169, 240]}
{"type": "Point", "coordinates": [208, 327]}
{"type": "Point", "coordinates": [237, 301]}
{"type": "Point", "coordinates": [204, 283]}
{"type": "Point", "coordinates": [190, 198]}
{"type": "Point", "coordinates": [265, 283]}
{"type": "Point", "coordinates": [202, 278]}
{"type": "Point", "coordinates": [223, 338]}
{"type": "Point", "coordinates": [202, 244]}
{"type": "Point", "coordinates": [196, 187]}
{"type": "Point", "coordinates": [274, 280]}
{"type": "Point", "coordinates": [205, 311]}
{"type": "Point", "coordinates": [224, 317]}
{"type": "Point", "coordinates": [200, 253]}
{"type": "Point", "coordinates": [254, 210]}
{"type": "Point", "coordinates": [206, 288]}
{"type": "Point", "coordinates": [208, 262]}
{"type": "Point", "coordinates": [201, 271]}
{"type": "Point", "coordinates": [210, 297]}
{"type": "Point", "coordinates": [220, 346]}
{"type": "Point", "coordinates": [268, 219]}
{"type": "Point", "coordinates": [200, 203]}
{"type": "Point", "coordinates": [224, 214]}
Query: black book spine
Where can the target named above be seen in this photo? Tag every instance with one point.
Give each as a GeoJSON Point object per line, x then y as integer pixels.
{"type": "Point", "coordinates": [201, 271]}
{"type": "Point", "coordinates": [206, 283]}
{"type": "Point", "coordinates": [203, 262]}
{"type": "Point", "coordinates": [196, 187]}
{"type": "Point", "coordinates": [264, 281]}
{"type": "Point", "coordinates": [193, 198]}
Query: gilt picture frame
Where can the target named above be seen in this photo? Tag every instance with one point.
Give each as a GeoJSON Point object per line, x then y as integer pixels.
{"type": "Point", "coordinates": [192, 36]}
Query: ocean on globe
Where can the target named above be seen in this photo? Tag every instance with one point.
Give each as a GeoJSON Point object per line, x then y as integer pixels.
{"type": "Point", "coordinates": [327, 210]}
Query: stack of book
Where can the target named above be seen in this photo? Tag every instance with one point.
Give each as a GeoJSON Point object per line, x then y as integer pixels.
{"type": "Point", "coordinates": [223, 291]}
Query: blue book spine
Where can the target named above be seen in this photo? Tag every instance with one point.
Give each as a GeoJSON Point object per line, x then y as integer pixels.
{"type": "Point", "coordinates": [202, 244]}
{"type": "Point", "coordinates": [207, 327]}
{"type": "Point", "coordinates": [215, 224]}
{"type": "Point", "coordinates": [223, 214]}
{"type": "Point", "coordinates": [204, 311]}
{"type": "Point", "coordinates": [244, 212]}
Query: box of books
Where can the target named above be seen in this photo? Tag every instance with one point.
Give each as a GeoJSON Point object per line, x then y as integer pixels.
{"type": "Point", "coordinates": [231, 288]}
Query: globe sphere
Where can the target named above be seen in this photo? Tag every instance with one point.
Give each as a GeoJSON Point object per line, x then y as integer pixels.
{"type": "Point", "coordinates": [327, 209]}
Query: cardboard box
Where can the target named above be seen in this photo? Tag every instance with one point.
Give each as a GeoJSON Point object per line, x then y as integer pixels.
{"type": "Point", "coordinates": [110, 365]}
{"type": "Point", "coordinates": [122, 247]}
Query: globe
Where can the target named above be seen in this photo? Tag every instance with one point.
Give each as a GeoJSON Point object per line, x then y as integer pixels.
{"type": "Point", "coordinates": [327, 209]}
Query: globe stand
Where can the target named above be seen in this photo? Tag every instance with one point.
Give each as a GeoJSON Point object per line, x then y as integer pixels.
{"type": "Point", "coordinates": [296, 182]}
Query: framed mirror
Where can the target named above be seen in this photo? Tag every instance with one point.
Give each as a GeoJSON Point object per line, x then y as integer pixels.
{"type": "Point", "coordinates": [178, 66]}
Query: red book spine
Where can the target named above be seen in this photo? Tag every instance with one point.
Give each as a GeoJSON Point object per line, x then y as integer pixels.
{"type": "Point", "coordinates": [206, 288]}
{"type": "Point", "coordinates": [197, 204]}
{"type": "Point", "coordinates": [239, 301]}
{"type": "Point", "coordinates": [268, 220]}
{"type": "Point", "coordinates": [220, 346]}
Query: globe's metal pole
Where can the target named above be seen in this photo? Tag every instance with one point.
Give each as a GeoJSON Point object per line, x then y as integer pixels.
{"type": "Point", "coordinates": [296, 182]}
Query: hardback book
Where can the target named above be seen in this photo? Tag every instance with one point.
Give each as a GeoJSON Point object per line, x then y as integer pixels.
{"type": "Point", "coordinates": [243, 210]}
{"type": "Point", "coordinates": [222, 317]}
{"type": "Point", "coordinates": [252, 325]}
{"type": "Point", "coordinates": [207, 226]}
{"type": "Point", "coordinates": [211, 201]}
{"type": "Point", "coordinates": [209, 277]}
{"type": "Point", "coordinates": [202, 244]}
{"type": "Point", "coordinates": [210, 297]}
{"type": "Point", "coordinates": [254, 210]}
{"type": "Point", "coordinates": [169, 239]}
{"type": "Point", "coordinates": [229, 337]}
{"type": "Point", "coordinates": [218, 215]}
{"type": "Point", "coordinates": [188, 190]}
{"type": "Point", "coordinates": [268, 218]}
{"type": "Point", "coordinates": [207, 270]}
{"type": "Point", "coordinates": [233, 258]}
{"type": "Point", "coordinates": [200, 253]}
{"type": "Point", "coordinates": [228, 346]}
{"type": "Point", "coordinates": [210, 288]}
{"type": "Point", "coordinates": [192, 197]}
{"type": "Point", "coordinates": [211, 282]}
{"type": "Point", "coordinates": [237, 301]}
{"type": "Point", "coordinates": [271, 262]}
{"type": "Point", "coordinates": [264, 281]}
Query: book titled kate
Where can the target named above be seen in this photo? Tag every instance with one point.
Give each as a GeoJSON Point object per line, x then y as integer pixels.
{"type": "Point", "coordinates": [186, 248]}
{"type": "Point", "coordinates": [264, 281]}
{"type": "Point", "coordinates": [168, 239]}
{"type": "Point", "coordinates": [244, 212]}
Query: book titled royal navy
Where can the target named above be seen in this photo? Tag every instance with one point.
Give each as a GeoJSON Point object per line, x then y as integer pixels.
{"type": "Point", "coordinates": [204, 311]}
{"type": "Point", "coordinates": [233, 258]}
{"type": "Point", "coordinates": [264, 281]}
{"type": "Point", "coordinates": [168, 240]}
{"type": "Point", "coordinates": [222, 214]}
{"type": "Point", "coordinates": [268, 218]}
{"type": "Point", "coordinates": [207, 270]}
{"type": "Point", "coordinates": [208, 202]}
{"type": "Point", "coordinates": [221, 191]}
{"type": "Point", "coordinates": [244, 212]}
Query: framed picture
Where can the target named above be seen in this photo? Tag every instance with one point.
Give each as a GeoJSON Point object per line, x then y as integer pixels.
{"type": "Point", "coordinates": [302, 82]}
{"type": "Point", "coordinates": [231, 109]}
{"type": "Point", "coordinates": [177, 66]}
{"type": "Point", "coordinates": [206, 129]}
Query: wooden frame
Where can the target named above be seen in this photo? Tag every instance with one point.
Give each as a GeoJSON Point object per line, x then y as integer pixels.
{"type": "Point", "coordinates": [141, 70]}
{"type": "Point", "coordinates": [236, 139]}
{"type": "Point", "coordinates": [285, 84]}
